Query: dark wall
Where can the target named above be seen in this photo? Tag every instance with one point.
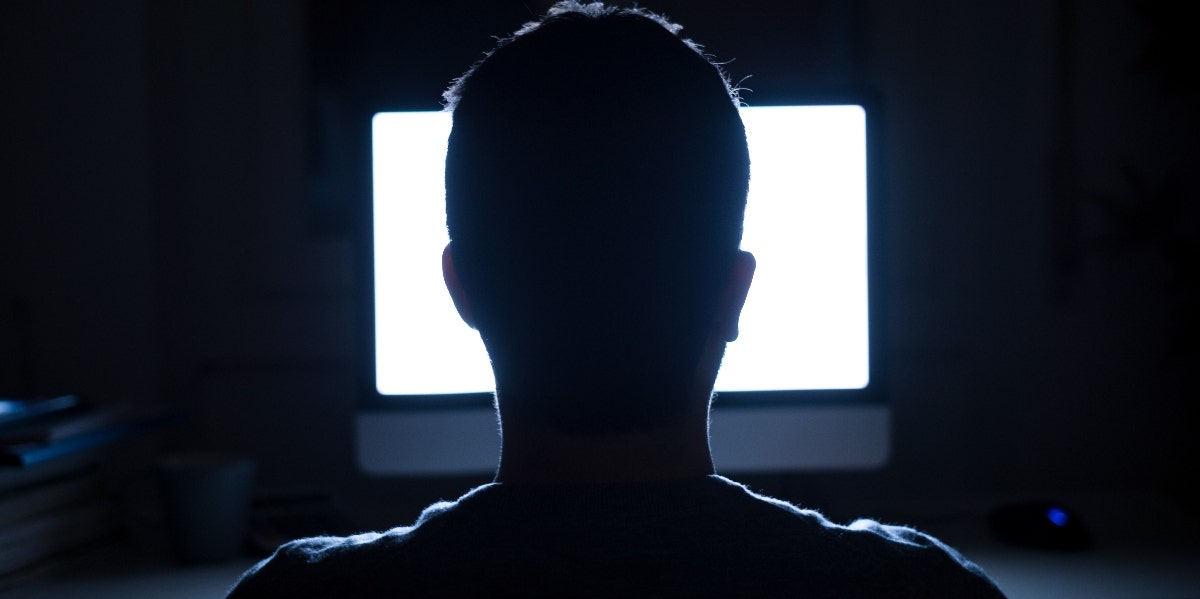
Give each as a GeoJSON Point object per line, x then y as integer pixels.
{"type": "Point", "coordinates": [77, 291]}
{"type": "Point", "coordinates": [163, 242]}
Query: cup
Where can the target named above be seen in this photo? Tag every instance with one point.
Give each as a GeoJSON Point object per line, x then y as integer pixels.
{"type": "Point", "coordinates": [207, 500]}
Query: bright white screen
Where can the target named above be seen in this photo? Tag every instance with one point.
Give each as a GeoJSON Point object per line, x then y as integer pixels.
{"type": "Point", "coordinates": [805, 322]}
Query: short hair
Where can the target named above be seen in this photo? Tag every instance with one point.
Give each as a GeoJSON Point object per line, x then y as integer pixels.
{"type": "Point", "coordinates": [596, 183]}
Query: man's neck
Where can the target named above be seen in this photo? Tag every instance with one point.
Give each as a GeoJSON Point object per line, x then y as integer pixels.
{"type": "Point", "coordinates": [535, 456]}
{"type": "Point", "coordinates": [532, 454]}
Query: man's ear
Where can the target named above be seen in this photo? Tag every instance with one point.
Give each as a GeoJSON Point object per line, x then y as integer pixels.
{"type": "Point", "coordinates": [454, 286]}
{"type": "Point", "coordinates": [734, 296]}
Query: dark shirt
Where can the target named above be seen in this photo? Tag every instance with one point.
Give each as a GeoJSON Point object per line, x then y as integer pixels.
{"type": "Point", "coordinates": [705, 536]}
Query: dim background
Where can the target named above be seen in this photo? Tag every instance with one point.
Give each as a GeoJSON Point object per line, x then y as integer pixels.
{"type": "Point", "coordinates": [174, 232]}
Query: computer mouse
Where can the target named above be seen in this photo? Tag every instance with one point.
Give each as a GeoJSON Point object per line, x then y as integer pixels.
{"type": "Point", "coordinates": [1040, 525]}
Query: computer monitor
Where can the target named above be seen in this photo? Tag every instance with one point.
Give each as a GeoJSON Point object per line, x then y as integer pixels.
{"type": "Point", "coordinates": [800, 389]}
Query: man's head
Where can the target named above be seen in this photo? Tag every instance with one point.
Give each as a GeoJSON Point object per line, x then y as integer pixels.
{"type": "Point", "coordinates": [595, 186]}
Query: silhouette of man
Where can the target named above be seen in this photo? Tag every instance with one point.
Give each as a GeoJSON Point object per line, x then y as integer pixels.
{"type": "Point", "coordinates": [596, 182]}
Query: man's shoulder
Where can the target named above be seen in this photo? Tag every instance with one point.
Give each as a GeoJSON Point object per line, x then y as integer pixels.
{"type": "Point", "coordinates": [709, 536]}
{"type": "Point", "coordinates": [896, 560]}
{"type": "Point", "coordinates": [355, 565]}
{"type": "Point", "coordinates": [321, 566]}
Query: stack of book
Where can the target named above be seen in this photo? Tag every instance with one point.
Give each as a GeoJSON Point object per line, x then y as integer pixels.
{"type": "Point", "coordinates": [53, 500]}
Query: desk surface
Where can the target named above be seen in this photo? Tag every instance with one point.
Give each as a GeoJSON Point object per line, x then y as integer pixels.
{"type": "Point", "coordinates": [1153, 554]}
{"type": "Point", "coordinates": [1148, 572]}
{"type": "Point", "coordinates": [142, 579]}
{"type": "Point", "coordinates": [1158, 573]}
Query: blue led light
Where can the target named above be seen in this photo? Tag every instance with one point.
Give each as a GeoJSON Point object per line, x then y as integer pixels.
{"type": "Point", "coordinates": [1057, 516]}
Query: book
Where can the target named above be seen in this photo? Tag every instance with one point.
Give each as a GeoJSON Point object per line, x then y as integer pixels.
{"type": "Point", "coordinates": [14, 477]}
{"type": "Point", "coordinates": [30, 501]}
{"type": "Point", "coordinates": [59, 426]}
{"type": "Point", "coordinates": [18, 410]}
{"type": "Point", "coordinates": [36, 452]}
{"type": "Point", "coordinates": [33, 540]}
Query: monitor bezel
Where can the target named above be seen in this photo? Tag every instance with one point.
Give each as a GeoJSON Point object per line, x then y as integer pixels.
{"type": "Point", "coordinates": [872, 393]}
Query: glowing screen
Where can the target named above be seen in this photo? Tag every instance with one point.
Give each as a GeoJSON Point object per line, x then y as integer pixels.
{"type": "Point", "coordinates": [805, 321]}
